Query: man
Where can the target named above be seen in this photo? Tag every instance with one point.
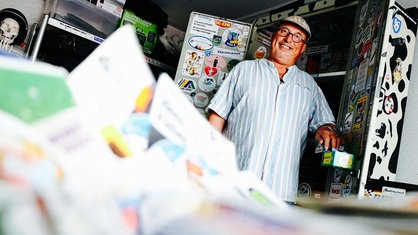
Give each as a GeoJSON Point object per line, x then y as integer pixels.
{"type": "Point", "coordinates": [267, 106]}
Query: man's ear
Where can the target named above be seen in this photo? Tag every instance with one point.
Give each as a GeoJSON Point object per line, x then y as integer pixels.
{"type": "Point", "coordinates": [304, 48]}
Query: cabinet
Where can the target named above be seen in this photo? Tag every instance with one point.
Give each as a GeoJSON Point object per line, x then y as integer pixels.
{"type": "Point", "coordinates": [75, 29]}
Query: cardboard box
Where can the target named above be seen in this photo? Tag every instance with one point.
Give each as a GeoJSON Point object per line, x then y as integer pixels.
{"type": "Point", "coordinates": [146, 31]}
{"type": "Point", "coordinates": [338, 159]}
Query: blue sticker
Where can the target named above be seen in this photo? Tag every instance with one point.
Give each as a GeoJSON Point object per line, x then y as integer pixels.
{"type": "Point", "coordinates": [396, 24]}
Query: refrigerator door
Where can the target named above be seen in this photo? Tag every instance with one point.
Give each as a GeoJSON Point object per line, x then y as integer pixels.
{"type": "Point", "coordinates": [376, 89]}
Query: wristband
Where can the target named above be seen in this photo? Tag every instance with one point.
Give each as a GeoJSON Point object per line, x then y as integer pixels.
{"type": "Point", "coordinates": [330, 127]}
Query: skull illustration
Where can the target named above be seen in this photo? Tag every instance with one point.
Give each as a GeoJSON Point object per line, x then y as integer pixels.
{"type": "Point", "coordinates": [9, 30]}
{"type": "Point", "coordinates": [13, 29]}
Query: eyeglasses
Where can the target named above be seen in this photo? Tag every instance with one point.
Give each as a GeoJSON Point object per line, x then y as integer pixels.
{"type": "Point", "coordinates": [296, 37]}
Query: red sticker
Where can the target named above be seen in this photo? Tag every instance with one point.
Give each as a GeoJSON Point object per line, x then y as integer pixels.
{"type": "Point", "coordinates": [210, 71]}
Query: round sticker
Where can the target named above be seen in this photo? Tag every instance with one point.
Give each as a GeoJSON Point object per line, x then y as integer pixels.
{"type": "Point", "coordinates": [231, 64]}
{"type": "Point", "coordinates": [231, 37]}
{"type": "Point", "coordinates": [215, 61]}
{"type": "Point", "coordinates": [200, 43]}
{"type": "Point", "coordinates": [304, 190]}
{"type": "Point", "coordinates": [302, 60]}
{"type": "Point", "coordinates": [260, 53]}
{"type": "Point", "coordinates": [201, 100]}
{"type": "Point", "coordinates": [207, 84]}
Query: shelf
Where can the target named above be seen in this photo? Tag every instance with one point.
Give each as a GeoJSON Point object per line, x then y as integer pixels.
{"type": "Point", "coordinates": [159, 64]}
{"type": "Point", "coordinates": [74, 30]}
{"type": "Point", "coordinates": [332, 74]}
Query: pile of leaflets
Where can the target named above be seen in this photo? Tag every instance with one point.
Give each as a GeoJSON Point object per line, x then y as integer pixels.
{"type": "Point", "coordinates": [108, 149]}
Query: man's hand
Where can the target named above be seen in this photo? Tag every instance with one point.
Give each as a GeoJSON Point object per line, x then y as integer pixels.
{"type": "Point", "coordinates": [327, 136]}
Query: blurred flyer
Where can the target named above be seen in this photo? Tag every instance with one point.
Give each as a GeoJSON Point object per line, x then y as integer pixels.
{"type": "Point", "coordinates": [173, 115]}
{"type": "Point", "coordinates": [108, 82]}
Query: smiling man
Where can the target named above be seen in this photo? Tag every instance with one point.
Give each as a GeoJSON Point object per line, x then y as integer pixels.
{"type": "Point", "coordinates": [267, 106]}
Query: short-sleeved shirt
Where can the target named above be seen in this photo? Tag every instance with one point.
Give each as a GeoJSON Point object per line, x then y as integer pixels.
{"type": "Point", "coordinates": [268, 120]}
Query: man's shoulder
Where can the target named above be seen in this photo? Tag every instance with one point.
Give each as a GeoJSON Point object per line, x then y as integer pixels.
{"type": "Point", "coordinates": [302, 73]}
{"type": "Point", "coordinates": [255, 62]}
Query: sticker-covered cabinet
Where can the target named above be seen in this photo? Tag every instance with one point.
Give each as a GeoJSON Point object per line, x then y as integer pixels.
{"type": "Point", "coordinates": [213, 46]}
{"type": "Point", "coordinates": [375, 93]}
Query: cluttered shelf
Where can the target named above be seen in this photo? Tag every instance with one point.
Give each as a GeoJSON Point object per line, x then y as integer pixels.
{"type": "Point", "coordinates": [74, 44]}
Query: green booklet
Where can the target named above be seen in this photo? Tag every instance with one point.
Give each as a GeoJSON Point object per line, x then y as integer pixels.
{"type": "Point", "coordinates": [32, 91]}
{"type": "Point", "coordinates": [38, 94]}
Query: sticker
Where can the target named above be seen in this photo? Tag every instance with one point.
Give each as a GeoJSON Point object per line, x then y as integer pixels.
{"type": "Point", "coordinates": [367, 46]}
{"type": "Point", "coordinates": [317, 49]}
{"type": "Point", "coordinates": [204, 25]}
{"type": "Point", "coordinates": [217, 40]}
{"type": "Point", "coordinates": [233, 54]}
{"type": "Point", "coordinates": [362, 76]}
{"type": "Point", "coordinates": [390, 192]}
{"type": "Point", "coordinates": [221, 77]}
{"type": "Point", "coordinates": [186, 85]}
{"type": "Point", "coordinates": [390, 104]}
{"type": "Point", "coordinates": [201, 100]}
{"type": "Point", "coordinates": [246, 30]}
{"type": "Point", "coordinates": [396, 24]}
{"type": "Point", "coordinates": [266, 33]}
{"type": "Point", "coordinates": [304, 190]}
{"type": "Point", "coordinates": [263, 41]}
{"type": "Point", "coordinates": [207, 84]}
{"type": "Point", "coordinates": [260, 53]}
{"type": "Point", "coordinates": [302, 61]}
{"type": "Point", "coordinates": [216, 62]}
{"type": "Point", "coordinates": [210, 71]}
{"type": "Point", "coordinates": [348, 122]}
{"type": "Point", "coordinates": [232, 37]}
{"type": "Point", "coordinates": [338, 174]}
{"type": "Point", "coordinates": [223, 24]}
{"type": "Point", "coordinates": [348, 183]}
{"type": "Point", "coordinates": [193, 63]}
{"type": "Point", "coordinates": [358, 38]}
{"type": "Point", "coordinates": [363, 13]}
{"type": "Point", "coordinates": [200, 43]}
{"type": "Point", "coordinates": [335, 190]}
{"type": "Point", "coordinates": [360, 112]}
{"type": "Point", "coordinates": [231, 64]}
{"type": "Point", "coordinates": [397, 71]}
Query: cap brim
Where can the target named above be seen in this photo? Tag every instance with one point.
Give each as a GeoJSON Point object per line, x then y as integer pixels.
{"type": "Point", "coordinates": [295, 24]}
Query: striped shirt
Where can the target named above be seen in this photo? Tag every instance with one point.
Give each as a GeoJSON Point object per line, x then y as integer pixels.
{"type": "Point", "coordinates": [268, 120]}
